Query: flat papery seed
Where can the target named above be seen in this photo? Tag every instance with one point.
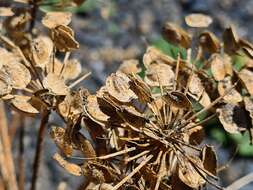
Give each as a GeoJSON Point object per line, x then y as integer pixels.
{"type": "Point", "coordinates": [7, 57]}
{"type": "Point", "coordinates": [117, 85]}
{"type": "Point", "coordinates": [130, 66]}
{"type": "Point", "coordinates": [19, 74]}
{"type": "Point", "coordinates": [209, 42]}
{"type": "Point", "coordinates": [42, 49]}
{"type": "Point", "coordinates": [197, 91]}
{"type": "Point", "coordinates": [72, 69]}
{"type": "Point", "coordinates": [198, 20]}
{"type": "Point", "coordinates": [226, 117]}
{"type": "Point", "coordinates": [71, 168]}
{"type": "Point", "coordinates": [153, 54]}
{"type": "Point", "coordinates": [196, 135]}
{"type": "Point", "coordinates": [247, 47]}
{"type": "Point", "coordinates": [177, 99]}
{"type": "Point", "coordinates": [6, 11]}
{"type": "Point", "coordinates": [5, 84]}
{"type": "Point", "coordinates": [54, 19]}
{"type": "Point", "coordinates": [233, 96]}
{"type": "Point", "coordinates": [55, 84]}
{"type": "Point", "coordinates": [231, 40]}
{"type": "Point", "coordinates": [159, 74]}
{"type": "Point", "coordinates": [22, 104]}
{"type": "Point", "coordinates": [217, 67]}
{"type": "Point", "coordinates": [248, 104]}
{"type": "Point", "coordinates": [63, 37]}
{"type": "Point", "coordinates": [94, 110]}
{"type": "Point", "coordinates": [247, 78]}
{"type": "Point", "coordinates": [176, 35]}
{"type": "Point", "coordinates": [209, 159]}
{"type": "Point", "coordinates": [189, 176]}
{"type": "Point", "coordinates": [103, 186]}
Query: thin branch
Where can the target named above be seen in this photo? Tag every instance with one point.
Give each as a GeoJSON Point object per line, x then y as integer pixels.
{"type": "Point", "coordinates": [21, 176]}
{"type": "Point", "coordinates": [6, 146]}
{"type": "Point", "coordinates": [40, 139]}
{"type": "Point", "coordinates": [241, 182]}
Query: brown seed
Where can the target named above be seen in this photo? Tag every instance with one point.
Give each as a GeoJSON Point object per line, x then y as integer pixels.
{"type": "Point", "coordinates": [247, 78]}
{"type": "Point", "coordinates": [231, 41]}
{"type": "Point", "coordinates": [176, 35]}
{"type": "Point", "coordinates": [209, 42]}
{"type": "Point", "coordinates": [177, 99]}
{"type": "Point", "coordinates": [22, 104]}
{"type": "Point", "coordinates": [5, 84]}
{"type": "Point", "coordinates": [209, 159]}
{"type": "Point", "coordinates": [217, 67]}
{"type": "Point", "coordinates": [71, 168]}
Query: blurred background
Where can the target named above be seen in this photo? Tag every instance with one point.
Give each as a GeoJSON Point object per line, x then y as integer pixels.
{"type": "Point", "coordinates": [110, 31]}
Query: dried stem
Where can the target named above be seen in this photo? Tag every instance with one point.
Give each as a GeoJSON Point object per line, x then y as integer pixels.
{"type": "Point", "coordinates": [21, 177]}
{"type": "Point", "coordinates": [6, 151]}
{"type": "Point", "coordinates": [40, 138]}
{"type": "Point", "coordinates": [241, 182]}
{"type": "Point", "coordinates": [34, 8]}
{"type": "Point", "coordinates": [124, 180]}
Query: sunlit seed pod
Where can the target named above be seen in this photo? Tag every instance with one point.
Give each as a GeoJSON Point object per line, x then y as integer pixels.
{"type": "Point", "coordinates": [246, 77]}
{"type": "Point", "coordinates": [198, 20]}
{"type": "Point", "coordinates": [6, 11]}
{"type": "Point", "coordinates": [19, 74]}
{"type": "Point", "coordinates": [54, 19]}
{"type": "Point", "coordinates": [55, 84]}
{"type": "Point", "coordinates": [22, 104]}
{"type": "Point", "coordinates": [117, 85]}
{"type": "Point", "coordinates": [63, 38]}
{"type": "Point", "coordinates": [5, 84]}
{"type": "Point", "coordinates": [42, 49]}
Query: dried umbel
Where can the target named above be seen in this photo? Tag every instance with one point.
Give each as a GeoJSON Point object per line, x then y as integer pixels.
{"type": "Point", "coordinates": [219, 72]}
{"type": "Point", "coordinates": [153, 138]}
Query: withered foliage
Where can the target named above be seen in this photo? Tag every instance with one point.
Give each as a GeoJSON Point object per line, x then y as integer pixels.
{"type": "Point", "coordinates": [145, 131]}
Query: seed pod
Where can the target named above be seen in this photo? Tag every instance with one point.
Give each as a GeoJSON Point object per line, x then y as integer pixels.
{"type": "Point", "coordinates": [177, 99]}
{"type": "Point", "coordinates": [54, 19]}
{"type": "Point", "coordinates": [209, 42]}
{"type": "Point", "coordinates": [198, 20]}
{"type": "Point", "coordinates": [175, 35]}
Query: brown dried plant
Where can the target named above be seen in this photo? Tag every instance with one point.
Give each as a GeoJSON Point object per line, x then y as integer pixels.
{"type": "Point", "coordinates": [145, 132]}
{"type": "Point", "coordinates": [33, 81]}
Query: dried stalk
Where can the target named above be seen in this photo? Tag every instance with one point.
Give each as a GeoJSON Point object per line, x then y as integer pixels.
{"type": "Point", "coordinates": [241, 182]}
{"type": "Point", "coordinates": [21, 177]}
{"type": "Point", "coordinates": [40, 139]}
{"type": "Point", "coordinates": [6, 149]}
